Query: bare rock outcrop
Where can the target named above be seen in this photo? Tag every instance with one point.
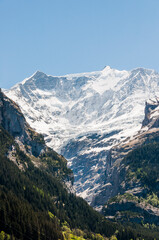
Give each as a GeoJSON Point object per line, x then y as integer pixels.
{"type": "Point", "coordinates": [13, 121]}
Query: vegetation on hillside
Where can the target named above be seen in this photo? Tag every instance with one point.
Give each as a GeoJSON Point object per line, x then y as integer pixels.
{"type": "Point", "coordinates": [144, 166]}
{"type": "Point", "coordinates": [35, 204]}
{"type": "Point", "coordinates": [29, 197]}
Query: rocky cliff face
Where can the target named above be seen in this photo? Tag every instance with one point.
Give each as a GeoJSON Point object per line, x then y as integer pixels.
{"type": "Point", "coordinates": [115, 171]}
{"type": "Point", "coordinates": [151, 119]}
{"type": "Point", "coordinates": [11, 118]}
{"type": "Point", "coordinates": [13, 121]}
{"type": "Point", "coordinates": [132, 211]}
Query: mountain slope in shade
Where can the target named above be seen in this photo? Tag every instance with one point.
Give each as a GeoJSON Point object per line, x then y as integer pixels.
{"type": "Point", "coordinates": [84, 115]}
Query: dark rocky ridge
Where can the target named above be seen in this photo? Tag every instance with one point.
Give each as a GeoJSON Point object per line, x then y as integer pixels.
{"type": "Point", "coordinates": [13, 121]}
{"type": "Point", "coordinates": [150, 108]}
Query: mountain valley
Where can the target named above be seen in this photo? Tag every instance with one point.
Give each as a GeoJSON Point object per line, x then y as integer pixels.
{"type": "Point", "coordinates": [115, 171]}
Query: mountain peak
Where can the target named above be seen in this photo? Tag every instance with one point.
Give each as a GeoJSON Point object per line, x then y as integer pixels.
{"type": "Point", "coordinates": [143, 70]}
{"type": "Point", "coordinates": [38, 74]}
{"type": "Point", "coordinates": [106, 68]}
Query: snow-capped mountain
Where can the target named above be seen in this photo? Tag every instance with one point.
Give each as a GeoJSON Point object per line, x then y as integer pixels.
{"type": "Point", "coordinates": [83, 115]}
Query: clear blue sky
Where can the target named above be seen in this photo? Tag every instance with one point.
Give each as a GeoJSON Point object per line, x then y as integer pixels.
{"type": "Point", "coordinates": [70, 36]}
